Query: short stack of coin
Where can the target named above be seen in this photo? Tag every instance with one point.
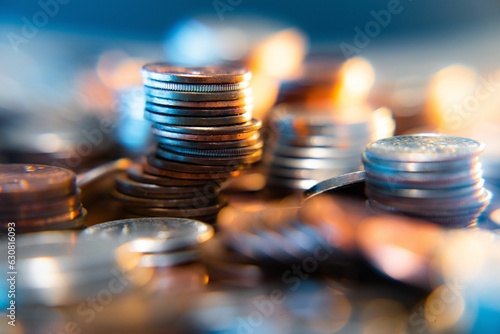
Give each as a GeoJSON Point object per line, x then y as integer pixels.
{"type": "Point", "coordinates": [314, 145]}
{"type": "Point", "coordinates": [39, 197]}
{"type": "Point", "coordinates": [203, 124]}
{"type": "Point", "coordinates": [159, 242]}
{"type": "Point", "coordinates": [432, 176]}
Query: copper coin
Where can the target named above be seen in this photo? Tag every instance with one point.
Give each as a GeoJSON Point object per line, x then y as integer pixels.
{"type": "Point", "coordinates": [42, 208]}
{"type": "Point", "coordinates": [135, 172]}
{"type": "Point", "coordinates": [43, 222]}
{"type": "Point", "coordinates": [186, 176]}
{"type": "Point", "coordinates": [132, 201]}
{"type": "Point", "coordinates": [226, 144]}
{"type": "Point", "coordinates": [21, 183]}
{"type": "Point", "coordinates": [158, 162]}
{"type": "Point", "coordinates": [138, 189]}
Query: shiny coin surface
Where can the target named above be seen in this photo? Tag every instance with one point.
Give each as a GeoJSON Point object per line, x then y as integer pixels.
{"type": "Point", "coordinates": [250, 126]}
{"type": "Point", "coordinates": [338, 182]}
{"type": "Point", "coordinates": [195, 75]}
{"type": "Point", "coordinates": [198, 96]}
{"type": "Point", "coordinates": [158, 234]}
{"type": "Point", "coordinates": [206, 88]}
{"type": "Point", "coordinates": [19, 182]}
{"type": "Point", "coordinates": [197, 121]}
{"type": "Point", "coordinates": [225, 144]}
{"type": "Point", "coordinates": [424, 147]}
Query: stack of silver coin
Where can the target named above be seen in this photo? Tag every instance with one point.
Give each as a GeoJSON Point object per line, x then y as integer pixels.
{"type": "Point", "coordinates": [202, 121]}
{"type": "Point", "coordinates": [39, 197]}
{"type": "Point", "coordinates": [432, 176]}
{"type": "Point", "coordinates": [314, 145]}
{"type": "Point", "coordinates": [160, 242]}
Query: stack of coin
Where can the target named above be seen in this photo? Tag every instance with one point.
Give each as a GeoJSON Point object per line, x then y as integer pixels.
{"type": "Point", "coordinates": [160, 242]}
{"type": "Point", "coordinates": [203, 124]}
{"type": "Point", "coordinates": [314, 145]}
{"type": "Point", "coordinates": [39, 197]}
{"type": "Point", "coordinates": [432, 176]}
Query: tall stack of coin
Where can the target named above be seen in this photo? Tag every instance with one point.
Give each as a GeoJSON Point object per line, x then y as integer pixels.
{"type": "Point", "coordinates": [39, 197]}
{"type": "Point", "coordinates": [431, 176]}
{"type": "Point", "coordinates": [203, 124]}
{"type": "Point", "coordinates": [314, 145]}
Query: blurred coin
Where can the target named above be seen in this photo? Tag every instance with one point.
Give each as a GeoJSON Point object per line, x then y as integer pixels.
{"type": "Point", "coordinates": [156, 235]}
{"type": "Point", "coordinates": [41, 208]}
{"type": "Point", "coordinates": [161, 203]}
{"type": "Point", "coordinates": [185, 167]}
{"type": "Point", "coordinates": [313, 163]}
{"type": "Point", "coordinates": [22, 183]}
{"type": "Point", "coordinates": [250, 126]}
{"type": "Point", "coordinates": [39, 222]}
{"type": "Point", "coordinates": [234, 136]}
{"type": "Point", "coordinates": [189, 178]}
{"type": "Point", "coordinates": [135, 172]}
{"type": "Point", "coordinates": [338, 182]}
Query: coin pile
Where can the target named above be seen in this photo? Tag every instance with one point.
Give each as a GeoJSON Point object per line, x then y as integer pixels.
{"type": "Point", "coordinates": [314, 145]}
{"type": "Point", "coordinates": [203, 124]}
{"type": "Point", "coordinates": [432, 176]}
{"type": "Point", "coordinates": [160, 242]}
{"type": "Point", "coordinates": [39, 197]}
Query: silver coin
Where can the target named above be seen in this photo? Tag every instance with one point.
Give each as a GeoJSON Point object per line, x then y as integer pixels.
{"type": "Point", "coordinates": [424, 193]}
{"type": "Point", "coordinates": [315, 174]}
{"type": "Point", "coordinates": [131, 201]}
{"type": "Point", "coordinates": [169, 259]}
{"type": "Point", "coordinates": [200, 104]}
{"type": "Point", "coordinates": [316, 152]}
{"type": "Point", "coordinates": [342, 181]}
{"type": "Point", "coordinates": [206, 88]}
{"type": "Point", "coordinates": [311, 163]}
{"type": "Point", "coordinates": [325, 141]}
{"type": "Point", "coordinates": [250, 126]}
{"type": "Point", "coordinates": [424, 147]}
{"type": "Point", "coordinates": [156, 235]}
{"type": "Point", "coordinates": [195, 112]}
{"type": "Point", "coordinates": [223, 74]}
{"type": "Point", "coordinates": [197, 121]}
{"type": "Point", "coordinates": [385, 165]}
{"type": "Point", "coordinates": [198, 96]}
{"type": "Point", "coordinates": [293, 183]}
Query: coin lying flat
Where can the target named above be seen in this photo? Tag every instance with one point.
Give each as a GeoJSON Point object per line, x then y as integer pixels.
{"type": "Point", "coordinates": [205, 88]}
{"type": "Point", "coordinates": [33, 182]}
{"type": "Point", "coordinates": [194, 112]}
{"type": "Point", "coordinates": [197, 96]}
{"type": "Point", "coordinates": [197, 121]}
{"type": "Point", "coordinates": [202, 145]}
{"type": "Point", "coordinates": [425, 147]}
{"type": "Point", "coordinates": [170, 233]}
{"type": "Point", "coordinates": [195, 75]}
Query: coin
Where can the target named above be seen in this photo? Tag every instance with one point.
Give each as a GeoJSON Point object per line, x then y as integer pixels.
{"type": "Point", "coordinates": [132, 201]}
{"type": "Point", "coordinates": [197, 96]}
{"type": "Point", "coordinates": [185, 167]}
{"type": "Point", "coordinates": [337, 182]}
{"type": "Point", "coordinates": [195, 112]}
{"type": "Point", "coordinates": [199, 104]}
{"type": "Point", "coordinates": [135, 172]}
{"type": "Point", "coordinates": [313, 163]}
{"type": "Point", "coordinates": [236, 136]}
{"type": "Point", "coordinates": [42, 208]}
{"type": "Point", "coordinates": [208, 88]}
{"type": "Point", "coordinates": [209, 160]}
{"type": "Point", "coordinates": [20, 182]}
{"type": "Point", "coordinates": [188, 177]}
{"type": "Point", "coordinates": [193, 213]}
{"type": "Point", "coordinates": [43, 221]}
{"type": "Point", "coordinates": [250, 126]}
{"type": "Point", "coordinates": [197, 121]}
{"type": "Point", "coordinates": [163, 234]}
{"type": "Point", "coordinates": [195, 75]}
{"type": "Point", "coordinates": [222, 152]}
{"type": "Point", "coordinates": [226, 144]}
{"type": "Point", "coordinates": [424, 147]}
{"type": "Point", "coordinates": [146, 190]}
